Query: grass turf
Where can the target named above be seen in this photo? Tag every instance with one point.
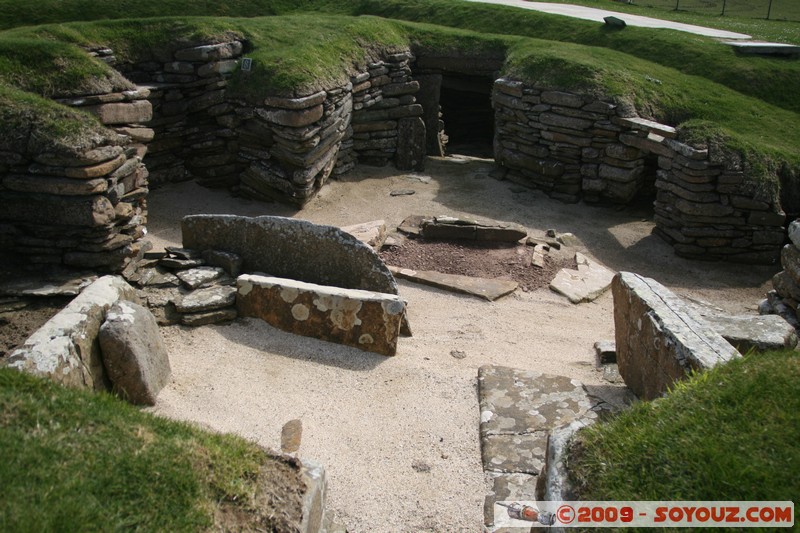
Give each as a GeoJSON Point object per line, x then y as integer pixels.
{"type": "Point", "coordinates": [80, 461]}
{"type": "Point", "coordinates": [729, 433]}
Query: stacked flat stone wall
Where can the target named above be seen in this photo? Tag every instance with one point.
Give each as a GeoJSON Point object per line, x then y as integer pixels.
{"type": "Point", "coordinates": [386, 115]}
{"type": "Point", "coordinates": [575, 146]}
{"type": "Point", "coordinates": [80, 208]}
{"type": "Point", "coordinates": [193, 123]}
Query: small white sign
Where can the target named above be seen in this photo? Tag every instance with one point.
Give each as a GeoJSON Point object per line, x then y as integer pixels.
{"type": "Point", "coordinates": [247, 64]}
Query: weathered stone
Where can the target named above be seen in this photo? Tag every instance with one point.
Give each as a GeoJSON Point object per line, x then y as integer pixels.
{"type": "Point", "coordinates": [514, 453]}
{"type": "Point", "coordinates": [88, 158]}
{"type": "Point", "coordinates": [794, 232]}
{"type": "Point", "coordinates": [398, 89]}
{"type": "Point", "coordinates": [785, 286]}
{"type": "Point", "coordinates": [217, 67]}
{"type": "Point", "coordinates": [65, 348]}
{"type": "Point", "coordinates": [173, 263]}
{"type": "Point", "coordinates": [369, 321]}
{"type": "Point", "coordinates": [636, 123]}
{"type": "Point", "coordinates": [292, 248]}
{"type": "Point", "coordinates": [488, 289]}
{"type": "Point", "coordinates": [454, 228]}
{"type": "Point", "coordinates": [303, 102]}
{"type": "Point", "coordinates": [293, 118]}
{"type": "Point", "coordinates": [209, 317]}
{"type": "Point", "coordinates": [57, 210]}
{"type": "Point", "coordinates": [136, 112]}
{"type": "Point", "coordinates": [516, 401]}
{"type": "Point", "coordinates": [229, 262]}
{"type": "Point", "coordinates": [43, 286]}
{"type": "Point", "coordinates": [659, 338]}
{"type": "Point", "coordinates": [134, 354]}
{"type": "Point", "coordinates": [750, 332]}
{"type": "Point", "coordinates": [562, 98]}
{"type": "Point", "coordinates": [606, 352]}
{"type": "Point", "coordinates": [790, 259]}
{"type": "Point", "coordinates": [411, 144]}
{"type": "Point", "coordinates": [372, 234]}
{"type": "Point", "coordinates": [196, 277]}
{"type": "Point", "coordinates": [143, 135]}
{"type": "Point", "coordinates": [208, 299]}
{"type": "Point", "coordinates": [210, 52]}
{"type": "Point", "coordinates": [96, 171]}
{"type": "Point", "coordinates": [572, 123]}
{"type": "Point", "coordinates": [509, 87]}
{"type": "Point", "coordinates": [291, 435]}
{"type": "Point", "coordinates": [585, 284]}
{"type": "Point", "coordinates": [155, 277]}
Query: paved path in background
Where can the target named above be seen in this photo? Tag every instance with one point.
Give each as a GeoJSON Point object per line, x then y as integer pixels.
{"type": "Point", "coordinates": [590, 13]}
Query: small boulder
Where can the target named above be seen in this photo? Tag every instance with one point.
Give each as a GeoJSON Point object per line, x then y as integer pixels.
{"type": "Point", "coordinates": [134, 354]}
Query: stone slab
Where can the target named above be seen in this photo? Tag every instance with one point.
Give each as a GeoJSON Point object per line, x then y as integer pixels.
{"type": "Point", "coordinates": [134, 355]}
{"type": "Point", "coordinates": [750, 332]}
{"type": "Point", "coordinates": [516, 453]}
{"type": "Point", "coordinates": [455, 228]}
{"type": "Point", "coordinates": [488, 289]}
{"type": "Point", "coordinates": [209, 299]}
{"type": "Point", "coordinates": [209, 317]}
{"type": "Point", "coordinates": [366, 320]}
{"type": "Point", "coordinates": [514, 401]}
{"type": "Point", "coordinates": [585, 284]}
{"type": "Point", "coordinates": [65, 348]}
{"type": "Point", "coordinates": [659, 337]}
{"type": "Point", "coordinates": [291, 248]}
{"type": "Point", "coordinates": [372, 233]}
{"type": "Point", "coordinates": [64, 285]}
{"type": "Point", "coordinates": [197, 277]}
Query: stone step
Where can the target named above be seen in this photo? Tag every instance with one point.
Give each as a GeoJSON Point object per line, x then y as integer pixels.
{"type": "Point", "coordinates": [519, 409]}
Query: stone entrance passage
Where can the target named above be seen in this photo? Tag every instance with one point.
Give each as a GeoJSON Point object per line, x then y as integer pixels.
{"type": "Point", "coordinates": [466, 104]}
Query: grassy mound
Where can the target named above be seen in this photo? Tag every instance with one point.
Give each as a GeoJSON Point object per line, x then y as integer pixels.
{"type": "Point", "coordinates": [744, 104]}
{"type": "Point", "coordinates": [79, 461]}
{"type": "Point", "coordinates": [730, 433]}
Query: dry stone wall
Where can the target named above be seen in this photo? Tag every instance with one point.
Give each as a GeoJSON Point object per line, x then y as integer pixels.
{"type": "Point", "coordinates": [80, 208]}
{"type": "Point", "coordinates": [575, 146]}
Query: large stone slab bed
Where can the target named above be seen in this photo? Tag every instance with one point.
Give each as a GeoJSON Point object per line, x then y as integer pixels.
{"type": "Point", "coordinates": [366, 320]}
{"type": "Point", "coordinates": [291, 248]}
{"type": "Point", "coordinates": [660, 338]}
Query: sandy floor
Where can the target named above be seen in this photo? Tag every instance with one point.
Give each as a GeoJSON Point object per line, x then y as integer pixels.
{"type": "Point", "coordinates": [368, 418]}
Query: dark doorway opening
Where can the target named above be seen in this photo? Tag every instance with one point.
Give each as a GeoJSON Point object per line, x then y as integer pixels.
{"type": "Point", "coordinates": [466, 106]}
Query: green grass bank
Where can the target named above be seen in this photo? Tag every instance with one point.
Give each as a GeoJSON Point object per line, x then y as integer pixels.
{"type": "Point", "coordinates": [76, 460]}
{"type": "Point", "coordinates": [730, 433]}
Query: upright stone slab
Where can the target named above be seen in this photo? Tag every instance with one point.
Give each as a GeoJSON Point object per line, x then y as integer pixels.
{"type": "Point", "coordinates": [369, 321]}
{"type": "Point", "coordinates": [65, 349]}
{"type": "Point", "coordinates": [410, 144]}
{"type": "Point", "coordinates": [291, 248]}
{"type": "Point", "coordinates": [134, 354]}
{"type": "Point", "coordinates": [660, 338]}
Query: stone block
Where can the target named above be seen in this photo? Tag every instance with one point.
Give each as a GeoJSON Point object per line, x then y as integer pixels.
{"type": "Point", "coordinates": [134, 354]}
{"type": "Point", "coordinates": [562, 98]}
{"type": "Point", "coordinates": [303, 102]}
{"type": "Point", "coordinates": [292, 248]}
{"type": "Point", "coordinates": [65, 348]}
{"type": "Point", "coordinates": [411, 144]}
{"type": "Point", "coordinates": [210, 52]}
{"type": "Point", "coordinates": [369, 321]}
{"type": "Point", "coordinates": [294, 118]}
{"type": "Point", "coordinates": [230, 262]}
{"type": "Point", "coordinates": [585, 284]}
{"type": "Point", "coordinates": [57, 210]}
{"type": "Point", "coordinates": [136, 112]}
{"type": "Point", "coordinates": [659, 337]}
{"type": "Point", "coordinates": [203, 300]}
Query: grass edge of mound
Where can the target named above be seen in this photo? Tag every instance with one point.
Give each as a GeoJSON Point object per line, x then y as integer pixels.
{"type": "Point", "coordinates": [729, 433]}
{"type": "Point", "coordinates": [89, 461]}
